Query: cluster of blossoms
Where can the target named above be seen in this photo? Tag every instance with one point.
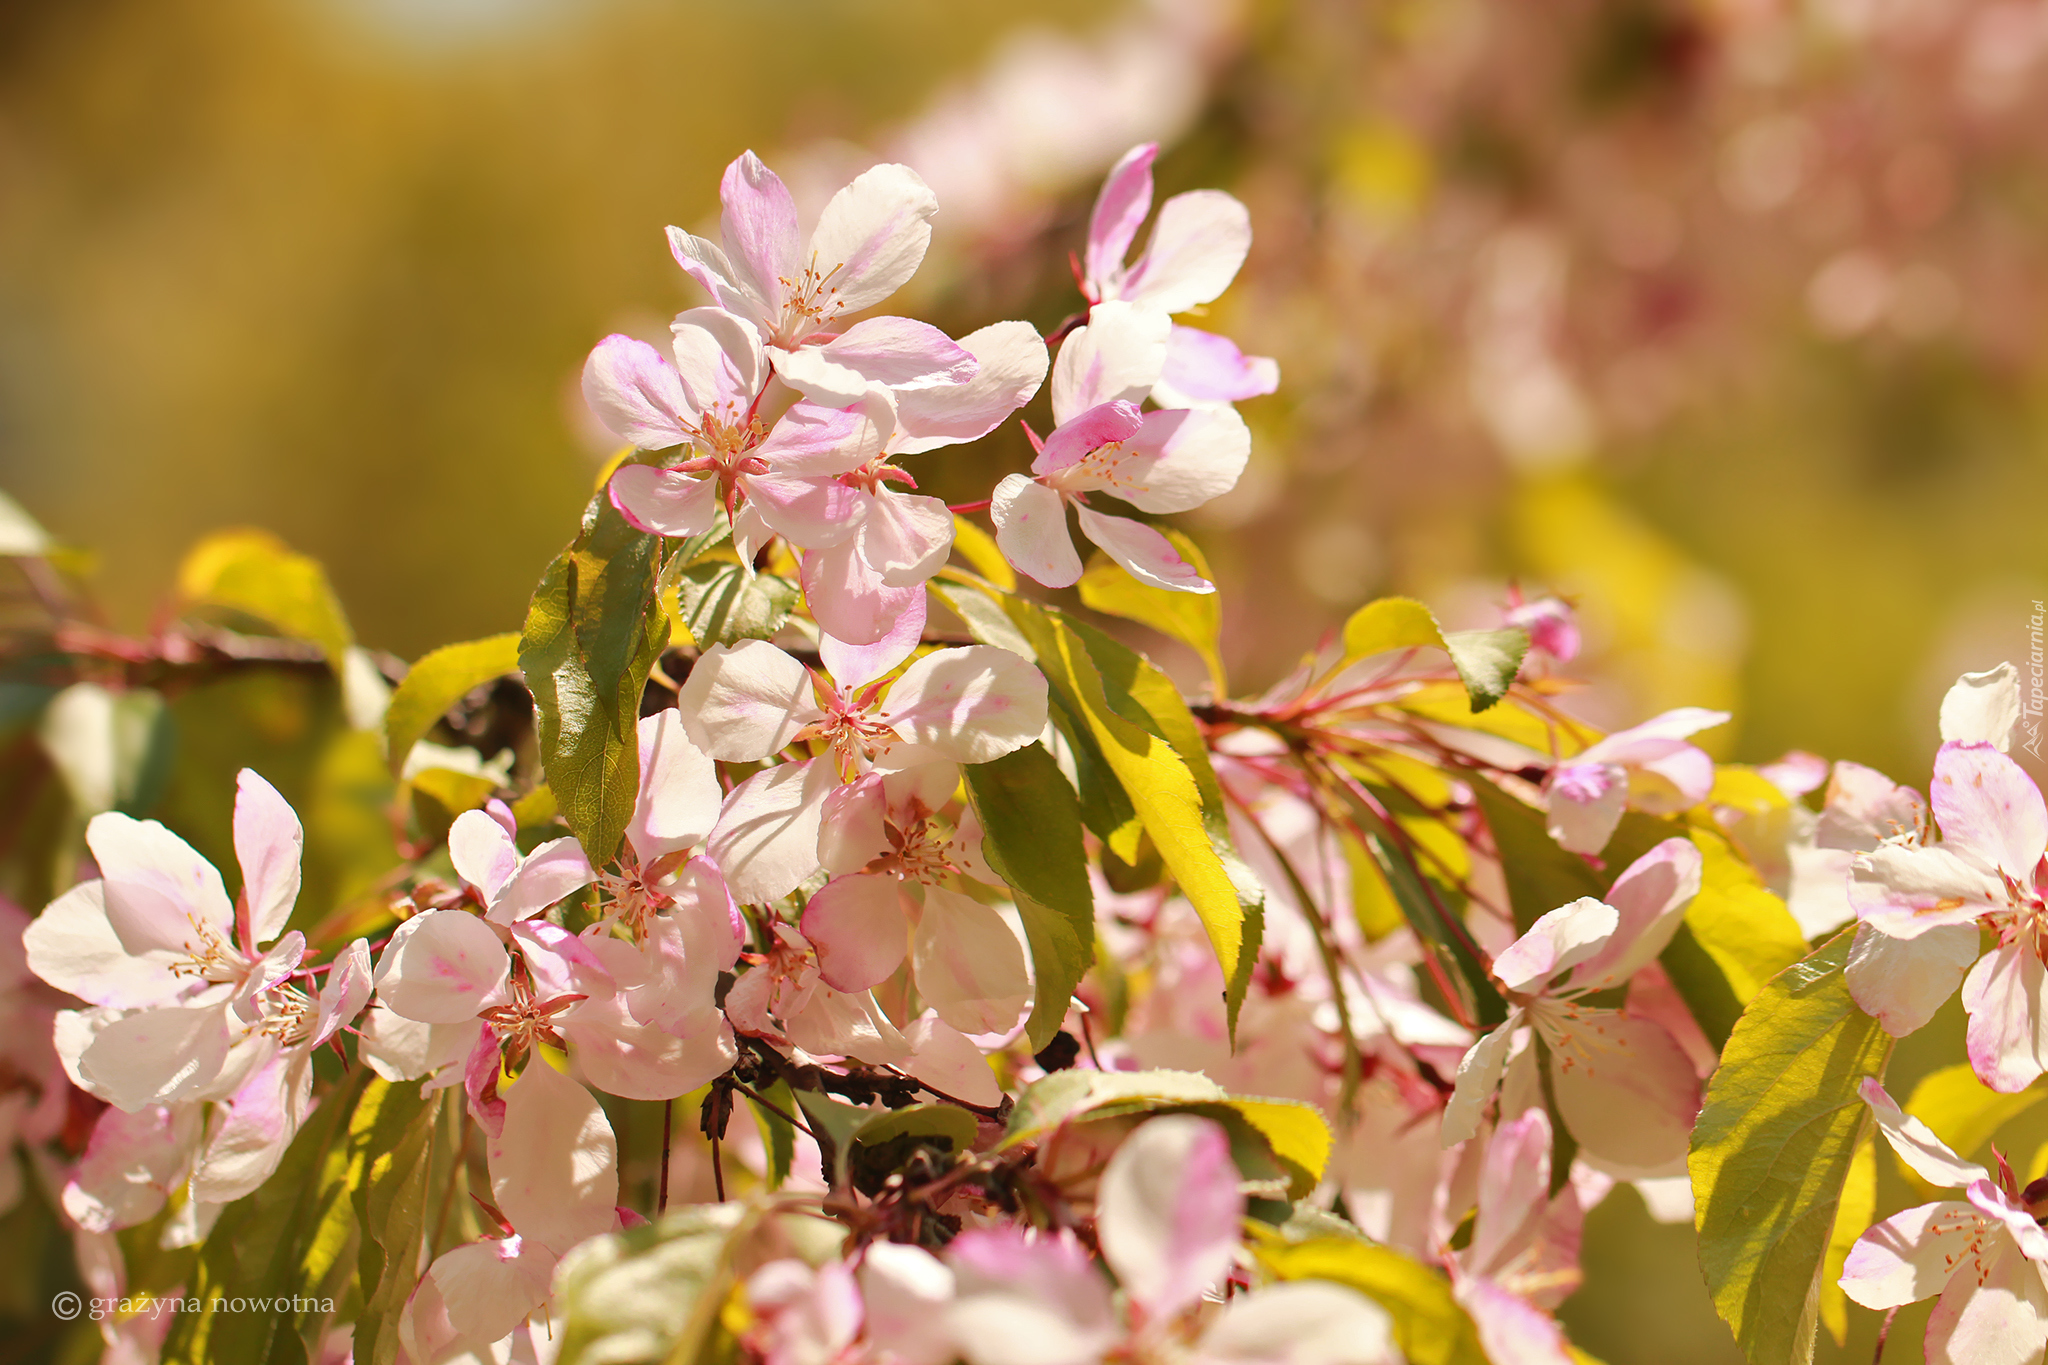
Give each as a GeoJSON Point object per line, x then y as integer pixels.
{"type": "Point", "coordinates": [1090, 1024]}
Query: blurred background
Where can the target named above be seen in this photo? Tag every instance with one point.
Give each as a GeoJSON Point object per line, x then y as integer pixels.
{"type": "Point", "coordinates": [1722, 317]}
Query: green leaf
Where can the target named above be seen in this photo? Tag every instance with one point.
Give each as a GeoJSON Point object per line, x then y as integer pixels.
{"type": "Point", "coordinates": [593, 631]}
{"type": "Point", "coordinates": [1150, 742]}
{"type": "Point", "coordinates": [979, 607]}
{"type": "Point", "coordinates": [1772, 1148]}
{"type": "Point", "coordinates": [724, 603]}
{"type": "Point", "coordinates": [833, 1123]}
{"type": "Point", "coordinates": [1486, 660]}
{"type": "Point", "coordinates": [1065, 1095]}
{"type": "Point", "coordinates": [439, 680]}
{"type": "Point", "coordinates": [1853, 1217]}
{"type": "Point", "coordinates": [1193, 618]}
{"type": "Point", "coordinates": [1031, 836]}
{"type": "Point", "coordinates": [253, 574]}
{"type": "Point", "coordinates": [390, 1155]}
{"type": "Point", "coordinates": [1429, 1325]}
{"type": "Point", "coordinates": [1963, 1111]}
{"type": "Point", "coordinates": [282, 1245]}
{"type": "Point", "coordinates": [652, 1292]}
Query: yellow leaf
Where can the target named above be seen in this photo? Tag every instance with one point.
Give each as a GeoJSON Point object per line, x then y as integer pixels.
{"type": "Point", "coordinates": [611, 467]}
{"type": "Point", "coordinates": [440, 679]}
{"type": "Point", "coordinates": [254, 574]}
{"type": "Point", "coordinates": [1429, 1325]}
{"type": "Point", "coordinates": [1195, 619]}
{"type": "Point", "coordinates": [1447, 704]}
{"type": "Point", "coordinates": [1297, 1132]}
{"type": "Point", "coordinates": [1390, 623]}
{"type": "Point", "coordinates": [1744, 928]}
{"type": "Point", "coordinates": [979, 548]}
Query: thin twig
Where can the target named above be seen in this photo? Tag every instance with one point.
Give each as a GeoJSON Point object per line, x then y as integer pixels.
{"type": "Point", "coordinates": [668, 1114]}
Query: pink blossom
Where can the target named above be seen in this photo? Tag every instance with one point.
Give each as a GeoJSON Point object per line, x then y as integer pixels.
{"type": "Point", "coordinates": [1984, 1255]}
{"type": "Point", "coordinates": [1522, 1260]}
{"type": "Point", "coordinates": [1623, 1084]}
{"type": "Point", "coordinates": [869, 241]}
{"type": "Point", "coordinates": [1650, 768]}
{"type": "Point", "coordinates": [1161, 461]}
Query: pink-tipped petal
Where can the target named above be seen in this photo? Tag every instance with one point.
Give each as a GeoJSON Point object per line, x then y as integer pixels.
{"type": "Point", "coordinates": [1557, 942]}
{"type": "Point", "coordinates": [1120, 209]}
{"type": "Point", "coordinates": [1929, 1157]}
{"type": "Point", "coordinates": [545, 876]}
{"type": "Point", "coordinates": [156, 887]}
{"type": "Point", "coordinates": [849, 600]}
{"type": "Point", "coordinates": [1203, 368]}
{"type": "Point", "coordinates": [1144, 553]}
{"type": "Point", "coordinates": [1010, 365]}
{"type": "Point", "coordinates": [1989, 810]}
{"type": "Point", "coordinates": [636, 394]}
{"type": "Point", "coordinates": [1649, 898]}
{"type": "Point", "coordinates": [759, 225]}
{"type": "Point", "coordinates": [268, 844]}
{"type": "Point", "coordinates": [663, 502]}
{"type": "Point", "coordinates": [1629, 1093]}
{"type": "Point", "coordinates": [441, 966]}
{"type": "Point", "coordinates": [1584, 805]}
{"type": "Point", "coordinates": [855, 666]}
{"type": "Point", "coordinates": [483, 853]}
{"type": "Point", "coordinates": [1085, 432]}
{"type": "Point", "coordinates": [2006, 995]}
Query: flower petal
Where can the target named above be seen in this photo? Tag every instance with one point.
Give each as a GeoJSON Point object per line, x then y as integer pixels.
{"type": "Point", "coordinates": [1198, 243]}
{"type": "Point", "coordinates": [766, 839]}
{"type": "Point", "coordinates": [1180, 459]}
{"type": "Point", "coordinates": [743, 702]}
{"type": "Point", "coordinates": [545, 875]}
{"type": "Point", "coordinates": [968, 963]}
{"type": "Point", "coordinates": [1479, 1073]}
{"type": "Point", "coordinates": [720, 362]}
{"type": "Point", "coordinates": [157, 889]}
{"type": "Point", "coordinates": [554, 1165]}
{"type": "Point", "coordinates": [1560, 940]}
{"type": "Point", "coordinates": [1306, 1322]}
{"type": "Point", "coordinates": [969, 705]}
{"type": "Point", "coordinates": [1650, 898]}
{"type": "Point", "coordinates": [131, 1164]}
{"type": "Point", "coordinates": [859, 927]}
{"type": "Point", "coordinates": [268, 843]}
{"type": "Point", "coordinates": [855, 666]}
{"type": "Point", "coordinates": [663, 502]}
{"type": "Point", "coordinates": [440, 967]}
{"type": "Point", "coordinates": [678, 800]}
{"type": "Point", "coordinates": [1010, 365]}
{"type": "Point", "coordinates": [1120, 208]}
{"type": "Point", "coordinates": [947, 1060]}
{"type": "Point", "coordinates": [1989, 810]}
{"type": "Point", "coordinates": [1626, 1090]}
{"type": "Point", "coordinates": [1144, 553]}
{"type": "Point", "coordinates": [1901, 982]}
{"type": "Point", "coordinates": [1584, 802]}
{"type": "Point", "coordinates": [851, 603]}
{"type": "Point", "coordinates": [1203, 368]}
{"type": "Point", "coordinates": [261, 1118]}
{"type": "Point", "coordinates": [1982, 708]}
{"type": "Point", "coordinates": [1120, 354]}
{"type": "Point", "coordinates": [905, 539]}
{"type": "Point", "coordinates": [759, 226]}
{"type": "Point", "coordinates": [72, 945]}
{"type": "Point", "coordinates": [1992, 1313]}
{"type": "Point", "coordinates": [636, 394]}
{"type": "Point", "coordinates": [2006, 995]}
{"type": "Point", "coordinates": [1906, 890]}
{"type": "Point", "coordinates": [1074, 439]}
{"type": "Point", "coordinates": [873, 235]}
{"type": "Point", "coordinates": [1169, 1212]}
{"type": "Point", "coordinates": [1931, 1158]}
{"type": "Point", "coordinates": [1031, 531]}
{"type": "Point", "coordinates": [483, 853]}
{"type": "Point", "coordinates": [157, 1057]}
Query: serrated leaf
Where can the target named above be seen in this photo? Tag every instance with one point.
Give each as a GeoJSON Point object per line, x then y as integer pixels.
{"type": "Point", "coordinates": [1195, 619]}
{"type": "Point", "coordinates": [436, 682]}
{"type": "Point", "coordinates": [592, 632]}
{"type": "Point", "coordinates": [725, 603]}
{"type": "Point", "coordinates": [1486, 660]}
{"type": "Point", "coordinates": [980, 608]}
{"type": "Point", "coordinates": [1031, 836]}
{"type": "Point", "coordinates": [254, 574]}
{"type": "Point", "coordinates": [390, 1138]}
{"type": "Point", "coordinates": [1151, 744]}
{"type": "Point", "coordinates": [1772, 1148]}
{"type": "Point", "coordinates": [1429, 1325]}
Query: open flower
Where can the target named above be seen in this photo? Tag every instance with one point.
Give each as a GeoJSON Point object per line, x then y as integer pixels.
{"type": "Point", "coordinates": [1198, 244]}
{"type": "Point", "coordinates": [1624, 1086]}
{"type": "Point", "coordinates": [181, 974]}
{"type": "Point", "coordinates": [1649, 767]}
{"type": "Point", "coordinates": [868, 242]}
{"type": "Point", "coordinates": [779, 477]}
{"type": "Point", "coordinates": [1168, 1219]}
{"type": "Point", "coordinates": [859, 587]}
{"type": "Point", "coordinates": [1167, 460]}
{"type": "Point", "coordinates": [746, 702]}
{"type": "Point", "coordinates": [1984, 1254]}
{"type": "Point", "coordinates": [887, 899]}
